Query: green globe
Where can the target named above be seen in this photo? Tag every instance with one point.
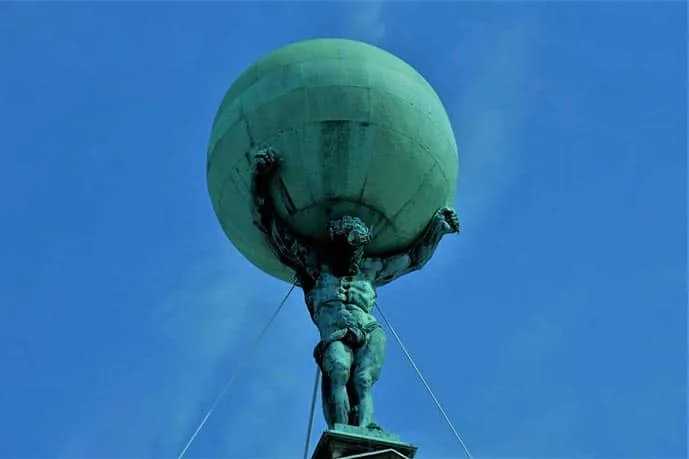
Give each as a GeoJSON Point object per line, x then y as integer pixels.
{"type": "Point", "coordinates": [360, 132]}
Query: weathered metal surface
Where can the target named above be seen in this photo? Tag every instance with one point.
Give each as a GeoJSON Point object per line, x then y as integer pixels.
{"type": "Point", "coordinates": [363, 134]}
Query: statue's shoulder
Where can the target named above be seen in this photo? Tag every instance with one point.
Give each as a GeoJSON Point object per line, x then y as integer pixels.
{"type": "Point", "coordinates": [370, 267]}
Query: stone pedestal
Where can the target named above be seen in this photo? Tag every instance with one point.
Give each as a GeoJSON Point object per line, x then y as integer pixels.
{"type": "Point", "coordinates": [349, 442]}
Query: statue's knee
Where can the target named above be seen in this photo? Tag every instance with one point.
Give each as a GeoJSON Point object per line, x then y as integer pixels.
{"type": "Point", "coordinates": [339, 373]}
{"type": "Point", "coordinates": [363, 380]}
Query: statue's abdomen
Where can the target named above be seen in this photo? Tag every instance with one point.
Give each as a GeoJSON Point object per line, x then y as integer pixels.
{"type": "Point", "coordinates": [331, 313]}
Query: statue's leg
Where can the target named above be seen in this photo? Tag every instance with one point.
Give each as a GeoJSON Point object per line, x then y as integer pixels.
{"type": "Point", "coordinates": [367, 366]}
{"type": "Point", "coordinates": [325, 400]}
{"type": "Point", "coordinates": [353, 402]}
{"type": "Point", "coordinates": [336, 366]}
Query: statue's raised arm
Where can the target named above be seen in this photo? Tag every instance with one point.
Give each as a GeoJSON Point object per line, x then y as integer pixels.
{"type": "Point", "coordinates": [389, 268]}
{"type": "Point", "coordinates": [288, 247]}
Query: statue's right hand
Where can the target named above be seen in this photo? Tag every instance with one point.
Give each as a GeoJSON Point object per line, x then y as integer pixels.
{"type": "Point", "coordinates": [265, 161]}
{"type": "Point", "coordinates": [448, 219]}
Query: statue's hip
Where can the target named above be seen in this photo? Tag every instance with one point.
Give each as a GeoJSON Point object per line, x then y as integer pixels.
{"type": "Point", "coordinates": [354, 337]}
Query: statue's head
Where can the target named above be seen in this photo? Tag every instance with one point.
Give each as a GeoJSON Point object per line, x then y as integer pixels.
{"type": "Point", "coordinates": [349, 237]}
{"type": "Point", "coordinates": [350, 231]}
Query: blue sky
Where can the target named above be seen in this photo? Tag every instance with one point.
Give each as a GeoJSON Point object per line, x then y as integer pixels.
{"type": "Point", "coordinates": [553, 327]}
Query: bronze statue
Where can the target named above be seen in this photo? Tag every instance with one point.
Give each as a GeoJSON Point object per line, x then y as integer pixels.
{"type": "Point", "coordinates": [339, 283]}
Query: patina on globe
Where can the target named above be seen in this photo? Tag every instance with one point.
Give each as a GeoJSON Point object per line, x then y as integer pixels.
{"type": "Point", "coordinates": [360, 133]}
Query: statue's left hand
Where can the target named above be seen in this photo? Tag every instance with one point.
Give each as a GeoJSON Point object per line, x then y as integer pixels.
{"type": "Point", "coordinates": [449, 219]}
{"type": "Point", "coordinates": [265, 161]}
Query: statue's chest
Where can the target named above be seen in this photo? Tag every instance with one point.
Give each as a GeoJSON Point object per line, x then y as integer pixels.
{"type": "Point", "coordinates": [342, 292]}
{"type": "Point", "coordinates": [329, 282]}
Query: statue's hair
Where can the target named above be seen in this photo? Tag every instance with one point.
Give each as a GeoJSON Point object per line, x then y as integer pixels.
{"type": "Point", "coordinates": [343, 226]}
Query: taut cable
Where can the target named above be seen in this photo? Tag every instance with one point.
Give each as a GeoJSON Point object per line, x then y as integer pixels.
{"type": "Point", "coordinates": [234, 374]}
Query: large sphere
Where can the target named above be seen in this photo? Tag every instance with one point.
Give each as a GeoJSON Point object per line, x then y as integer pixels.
{"type": "Point", "coordinates": [361, 133]}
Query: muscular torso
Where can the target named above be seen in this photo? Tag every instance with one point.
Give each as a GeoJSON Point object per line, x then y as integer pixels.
{"type": "Point", "coordinates": [339, 303]}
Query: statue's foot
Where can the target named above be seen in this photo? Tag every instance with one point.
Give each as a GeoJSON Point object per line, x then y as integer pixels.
{"type": "Point", "coordinates": [374, 426]}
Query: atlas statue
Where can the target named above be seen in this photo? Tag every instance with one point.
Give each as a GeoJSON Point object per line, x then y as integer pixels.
{"type": "Point", "coordinates": [332, 164]}
{"type": "Point", "coordinates": [339, 283]}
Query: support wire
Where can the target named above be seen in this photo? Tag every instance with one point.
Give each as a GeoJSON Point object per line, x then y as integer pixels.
{"type": "Point", "coordinates": [424, 382]}
{"type": "Point", "coordinates": [232, 377]}
{"type": "Point", "coordinates": [309, 429]}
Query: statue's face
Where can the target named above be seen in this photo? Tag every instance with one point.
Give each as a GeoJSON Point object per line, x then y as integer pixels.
{"type": "Point", "coordinates": [349, 231]}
